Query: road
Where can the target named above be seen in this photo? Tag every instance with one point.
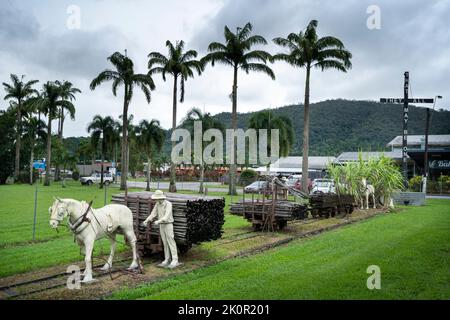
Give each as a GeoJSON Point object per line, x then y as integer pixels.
{"type": "Point", "coordinates": [192, 186]}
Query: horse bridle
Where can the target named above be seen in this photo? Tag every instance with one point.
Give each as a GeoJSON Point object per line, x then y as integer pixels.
{"type": "Point", "coordinates": [81, 220]}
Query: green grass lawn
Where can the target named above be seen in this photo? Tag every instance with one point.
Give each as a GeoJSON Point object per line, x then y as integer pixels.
{"type": "Point", "coordinates": [17, 251]}
{"type": "Point", "coordinates": [412, 249]}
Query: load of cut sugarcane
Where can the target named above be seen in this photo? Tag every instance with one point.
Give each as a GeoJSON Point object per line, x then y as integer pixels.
{"type": "Point", "coordinates": [282, 209]}
{"type": "Point", "coordinates": [196, 218]}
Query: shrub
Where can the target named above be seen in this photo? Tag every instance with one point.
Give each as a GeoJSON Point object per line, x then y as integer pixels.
{"type": "Point", "coordinates": [415, 183]}
{"type": "Point", "coordinates": [247, 176]}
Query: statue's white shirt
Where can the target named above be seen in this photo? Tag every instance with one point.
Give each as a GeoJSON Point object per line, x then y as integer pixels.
{"type": "Point", "coordinates": [162, 211]}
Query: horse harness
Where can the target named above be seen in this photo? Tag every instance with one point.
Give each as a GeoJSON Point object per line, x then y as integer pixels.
{"type": "Point", "coordinates": [80, 221]}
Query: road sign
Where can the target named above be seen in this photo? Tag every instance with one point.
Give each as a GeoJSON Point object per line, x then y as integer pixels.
{"type": "Point", "coordinates": [400, 100]}
{"type": "Point", "coordinates": [39, 165]}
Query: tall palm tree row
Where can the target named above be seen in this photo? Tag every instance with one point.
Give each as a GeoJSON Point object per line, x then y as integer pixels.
{"type": "Point", "coordinates": [307, 50]}
{"type": "Point", "coordinates": [208, 122]}
{"type": "Point", "coordinates": [49, 101]}
{"type": "Point", "coordinates": [124, 75]}
{"type": "Point", "coordinates": [266, 119]}
{"type": "Point", "coordinates": [150, 137]}
{"type": "Point", "coordinates": [237, 52]}
{"type": "Point", "coordinates": [68, 92]}
{"type": "Point", "coordinates": [181, 65]}
{"type": "Point", "coordinates": [102, 133]}
{"type": "Point", "coordinates": [19, 91]}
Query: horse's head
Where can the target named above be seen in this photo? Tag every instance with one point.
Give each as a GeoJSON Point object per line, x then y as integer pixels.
{"type": "Point", "coordinates": [58, 211]}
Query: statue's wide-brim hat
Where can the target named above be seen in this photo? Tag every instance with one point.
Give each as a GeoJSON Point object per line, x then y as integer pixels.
{"type": "Point", "coordinates": [158, 195]}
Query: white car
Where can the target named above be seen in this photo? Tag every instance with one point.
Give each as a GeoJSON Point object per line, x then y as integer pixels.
{"type": "Point", "coordinates": [323, 185]}
{"type": "Point", "coordinates": [96, 178]}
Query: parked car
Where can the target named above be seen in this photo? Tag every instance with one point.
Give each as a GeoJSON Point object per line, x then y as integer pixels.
{"type": "Point", "coordinates": [323, 185]}
{"type": "Point", "coordinates": [96, 177]}
{"type": "Point", "coordinates": [257, 187]}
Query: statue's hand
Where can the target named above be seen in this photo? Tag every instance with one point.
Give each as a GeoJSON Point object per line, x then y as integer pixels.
{"type": "Point", "coordinates": [157, 222]}
{"type": "Point", "coordinates": [144, 224]}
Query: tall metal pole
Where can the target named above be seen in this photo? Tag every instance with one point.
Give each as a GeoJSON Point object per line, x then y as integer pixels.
{"type": "Point", "coordinates": [425, 159]}
{"type": "Point", "coordinates": [35, 209]}
{"type": "Point", "coordinates": [405, 130]}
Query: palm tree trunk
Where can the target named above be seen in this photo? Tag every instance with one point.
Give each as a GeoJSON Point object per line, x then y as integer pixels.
{"type": "Point", "coordinates": [49, 150]}
{"type": "Point", "coordinates": [173, 166]}
{"type": "Point", "coordinates": [101, 172]}
{"type": "Point", "coordinates": [31, 161]}
{"type": "Point", "coordinates": [148, 173]}
{"type": "Point", "coordinates": [202, 178]}
{"type": "Point", "coordinates": [124, 174]}
{"type": "Point", "coordinates": [306, 133]}
{"type": "Point", "coordinates": [18, 141]}
{"type": "Point", "coordinates": [233, 166]}
{"type": "Point", "coordinates": [60, 137]}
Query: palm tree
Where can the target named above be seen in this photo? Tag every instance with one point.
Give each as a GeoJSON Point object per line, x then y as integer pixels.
{"type": "Point", "coordinates": [49, 101]}
{"type": "Point", "coordinates": [208, 122]}
{"type": "Point", "coordinates": [237, 52]}
{"type": "Point", "coordinates": [33, 129]}
{"type": "Point", "coordinates": [150, 138]}
{"type": "Point", "coordinates": [266, 119]}
{"type": "Point", "coordinates": [124, 75]}
{"type": "Point", "coordinates": [181, 65]}
{"type": "Point", "coordinates": [19, 91]}
{"type": "Point", "coordinates": [68, 92]}
{"type": "Point", "coordinates": [102, 128]}
{"type": "Point", "coordinates": [307, 50]}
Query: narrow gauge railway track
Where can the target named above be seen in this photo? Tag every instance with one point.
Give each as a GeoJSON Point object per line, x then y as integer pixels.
{"type": "Point", "coordinates": [56, 280]}
{"type": "Point", "coordinates": [253, 234]}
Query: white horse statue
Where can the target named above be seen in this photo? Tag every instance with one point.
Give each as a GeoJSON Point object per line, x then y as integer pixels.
{"type": "Point", "coordinates": [88, 225]}
{"type": "Point", "coordinates": [367, 190]}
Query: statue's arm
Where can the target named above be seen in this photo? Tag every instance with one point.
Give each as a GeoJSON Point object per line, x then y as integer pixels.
{"type": "Point", "coordinates": [152, 216]}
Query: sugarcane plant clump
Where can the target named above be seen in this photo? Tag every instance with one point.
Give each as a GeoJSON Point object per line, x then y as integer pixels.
{"type": "Point", "coordinates": [382, 173]}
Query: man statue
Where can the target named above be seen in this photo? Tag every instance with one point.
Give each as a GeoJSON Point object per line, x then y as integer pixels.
{"type": "Point", "coordinates": [162, 212]}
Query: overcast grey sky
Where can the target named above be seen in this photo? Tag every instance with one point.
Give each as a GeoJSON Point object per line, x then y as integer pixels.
{"type": "Point", "coordinates": [414, 35]}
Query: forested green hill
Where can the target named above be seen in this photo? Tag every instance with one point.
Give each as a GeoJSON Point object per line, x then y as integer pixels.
{"type": "Point", "coordinates": [344, 125]}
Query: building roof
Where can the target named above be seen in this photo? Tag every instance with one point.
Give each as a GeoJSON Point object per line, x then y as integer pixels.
{"type": "Point", "coordinates": [294, 164]}
{"type": "Point", "coordinates": [354, 156]}
{"type": "Point", "coordinates": [433, 140]}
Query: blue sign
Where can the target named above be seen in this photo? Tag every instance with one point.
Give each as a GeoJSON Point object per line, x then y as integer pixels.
{"type": "Point", "coordinates": [39, 165]}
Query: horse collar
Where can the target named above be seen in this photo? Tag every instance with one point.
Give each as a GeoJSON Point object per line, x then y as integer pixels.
{"type": "Point", "coordinates": [80, 221]}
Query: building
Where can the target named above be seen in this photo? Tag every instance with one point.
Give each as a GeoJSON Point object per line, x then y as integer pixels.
{"type": "Point", "coordinates": [438, 153]}
{"type": "Point", "coordinates": [88, 169]}
{"type": "Point", "coordinates": [293, 165]}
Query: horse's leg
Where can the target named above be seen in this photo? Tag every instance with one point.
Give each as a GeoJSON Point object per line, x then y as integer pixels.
{"type": "Point", "coordinates": [129, 234]}
{"type": "Point", "coordinates": [367, 199]}
{"type": "Point", "coordinates": [373, 198]}
{"type": "Point", "coordinates": [108, 265]}
{"type": "Point", "coordinates": [89, 245]}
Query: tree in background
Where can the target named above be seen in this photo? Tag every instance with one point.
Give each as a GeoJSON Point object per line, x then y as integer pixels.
{"type": "Point", "coordinates": [68, 92]}
{"type": "Point", "coordinates": [19, 91]}
{"type": "Point", "coordinates": [150, 138]}
{"type": "Point", "coordinates": [307, 50]}
{"type": "Point", "coordinates": [208, 122]}
{"type": "Point", "coordinates": [124, 75]}
{"type": "Point", "coordinates": [266, 119]}
{"type": "Point", "coordinates": [102, 129]}
{"type": "Point", "coordinates": [7, 138]}
{"type": "Point", "coordinates": [181, 65]}
{"type": "Point", "coordinates": [34, 129]}
{"type": "Point", "coordinates": [237, 52]}
{"type": "Point", "coordinates": [49, 101]}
